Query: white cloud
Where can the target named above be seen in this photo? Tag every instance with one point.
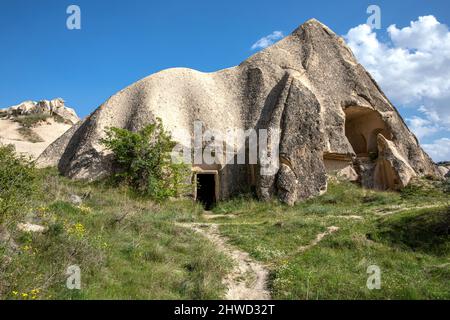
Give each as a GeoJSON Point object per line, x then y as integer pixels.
{"type": "Point", "coordinates": [422, 127]}
{"type": "Point", "coordinates": [268, 40]}
{"type": "Point", "coordinates": [439, 150]}
{"type": "Point", "coordinates": [413, 68]}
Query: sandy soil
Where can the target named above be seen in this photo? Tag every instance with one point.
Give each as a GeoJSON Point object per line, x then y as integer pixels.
{"type": "Point", "coordinates": [48, 131]}
{"type": "Point", "coordinates": [248, 279]}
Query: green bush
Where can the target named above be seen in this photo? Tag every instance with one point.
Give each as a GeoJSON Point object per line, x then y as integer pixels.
{"type": "Point", "coordinates": [18, 182]}
{"type": "Point", "coordinates": [144, 161]}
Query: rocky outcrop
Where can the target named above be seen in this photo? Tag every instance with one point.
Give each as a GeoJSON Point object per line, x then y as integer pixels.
{"type": "Point", "coordinates": [51, 157]}
{"type": "Point", "coordinates": [55, 107]}
{"type": "Point", "coordinates": [444, 170]}
{"type": "Point", "coordinates": [308, 87]}
{"type": "Point", "coordinates": [32, 126]}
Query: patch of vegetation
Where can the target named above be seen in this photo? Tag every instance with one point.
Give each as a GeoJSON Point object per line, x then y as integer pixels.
{"type": "Point", "coordinates": [423, 189]}
{"type": "Point", "coordinates": [60, 119]}
{"type": "Point", "coordinates": [144, 161]}
{"type": "Point", "coordinates": [31, 120]}
{"type": "Point", "coordinates": [127, 248]}
{"type": "Point", "coordinates": [336, 267]}
{"type": "Point", "coordinates": [132, 247]}
{"type": "Point", "coordinates": [19, 182]}
{"type": "Point", "coordinates": [30, 135]}
{"type": "Point", "coordinates": [425, 230]}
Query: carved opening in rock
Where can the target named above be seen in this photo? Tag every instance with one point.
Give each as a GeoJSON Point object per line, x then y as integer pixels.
{"type": "Point", "coordinates": [206, 188]}
{"type": "Point", "coordinates": [385, 177]}
{"type": "Point", "coordinates": [362, 126]}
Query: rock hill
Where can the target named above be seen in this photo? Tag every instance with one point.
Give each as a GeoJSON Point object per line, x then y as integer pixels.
{"type": "Point", "coordinates": [332, 115]}
{"type": "Point", "coordinates": [32, 126]}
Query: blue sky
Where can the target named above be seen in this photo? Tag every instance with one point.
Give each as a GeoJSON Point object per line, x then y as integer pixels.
{"type": "Point", "coordinates": [121, 42]}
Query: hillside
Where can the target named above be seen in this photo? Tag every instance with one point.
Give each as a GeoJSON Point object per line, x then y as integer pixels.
{"type": "Point", "coordinates": [32, 126]}
{"type": "Point", "coordinates": [130, 248]}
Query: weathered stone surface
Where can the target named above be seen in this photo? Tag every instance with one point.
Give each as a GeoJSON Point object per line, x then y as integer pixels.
{"type": "Point", "coordinates": [308, 85]}
{"type": "Point", "coordinates": [444, 170]}
{"type": "Point", "coordinates": [30, 227]}
{"type": "Point", "coordinates": [392, 170]}
{"type": "Point", "coordinates": [50, 107]}
{"type": "Point", "coordinates": [348, 173]}
{"type": "Point", "coordinates": [35, 138]}
{"type": "Point", "coordinates": [75, 199]}
{"type": "Point", "coordinates": [51, 157]}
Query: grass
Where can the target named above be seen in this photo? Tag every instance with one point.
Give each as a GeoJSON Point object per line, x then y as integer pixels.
{"type": "Point", "coordinates": [409, 244]}
{"type": "Point", "coordinates": [131, 248]}
{"type": "Point", "coordinates": [425, 230]}
{"type": "Point", "coordinates": [127, 248]}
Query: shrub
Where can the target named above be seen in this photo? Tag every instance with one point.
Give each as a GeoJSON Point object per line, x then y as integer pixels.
{"type": "Point", "coordinates": [144, 162]}
{"type": "Point", "coordinates": [31, 120]}
{"type": "Point", "coordinates": [18, 182]}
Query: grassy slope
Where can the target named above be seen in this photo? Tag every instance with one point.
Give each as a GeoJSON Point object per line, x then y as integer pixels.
{"type": "Point", "coordinates": [126, 248]}
{"type": "Point", "coordinates": [130, 248]}
{"type": "Point", "coordinates": [414, 262]}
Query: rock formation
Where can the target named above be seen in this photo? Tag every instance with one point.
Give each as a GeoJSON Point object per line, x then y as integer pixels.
{"type": "Point", "coordinates": [331, 114]}
{"type": "Point", "coordinates": [32, 126]}
{"type": "Point", "coordinates": [55, 107]}
{"type": "Point", "coordinates": [444, 169]}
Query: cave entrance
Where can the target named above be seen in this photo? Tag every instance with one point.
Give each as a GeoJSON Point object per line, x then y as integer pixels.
{"type": "Point", "coordinates": [362, 126]}
{"type": "Point", "coordinates": [206, 188]}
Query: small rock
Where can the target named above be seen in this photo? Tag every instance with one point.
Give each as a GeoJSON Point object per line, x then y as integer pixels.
{"type": "Point", "coordinates": [75, 200]}
{"type": "Point", "coordinates": [29, 227]}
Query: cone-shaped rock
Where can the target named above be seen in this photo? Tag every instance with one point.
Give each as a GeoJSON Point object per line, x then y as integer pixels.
{"type": "Point", "coordinates": [328, 110]}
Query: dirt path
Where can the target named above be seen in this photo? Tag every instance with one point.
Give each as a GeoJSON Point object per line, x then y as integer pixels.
{"type": "Point", "coordinates": [318, 238]}
{"type": "Point", "coordinates": [248, 279]}
{"type": "Point", "coordinates": [398, 209]}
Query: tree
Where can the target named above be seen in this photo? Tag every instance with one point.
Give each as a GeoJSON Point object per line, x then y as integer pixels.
{"type": "Point", "coordinates": [143, 159]}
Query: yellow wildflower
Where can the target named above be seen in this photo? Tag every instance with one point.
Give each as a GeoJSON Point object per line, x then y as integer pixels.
{"type": "Point", "coordinates": [85, 209]}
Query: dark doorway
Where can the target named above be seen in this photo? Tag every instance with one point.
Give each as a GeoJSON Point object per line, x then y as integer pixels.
{"type": "Point", "coordinates": [206, 193]}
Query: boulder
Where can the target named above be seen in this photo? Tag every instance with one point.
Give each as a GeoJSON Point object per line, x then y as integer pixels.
{"type": "Point", "coordinates": [444, 171]}
{"type": "Point", "coordinates": [75, 200]}
{"type": "Point", "coordinates": [30, 227]}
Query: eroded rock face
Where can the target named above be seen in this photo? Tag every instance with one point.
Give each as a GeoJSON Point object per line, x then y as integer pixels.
{"type": "Point", "coordinates": [309, 86]}
{"type": "Point", "coordinates": [392, 170]}
{"type": "Point", "coordinates": [31, 139]}
{"type": "Point", "coordinates": [51, 107]}
{"type": "Point", "coordinates": [444, 170]}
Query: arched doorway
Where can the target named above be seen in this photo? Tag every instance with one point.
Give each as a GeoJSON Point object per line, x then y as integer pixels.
{"type": "Point", "coordinates": [362, 126]}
